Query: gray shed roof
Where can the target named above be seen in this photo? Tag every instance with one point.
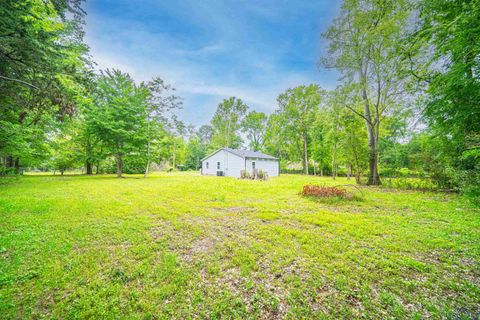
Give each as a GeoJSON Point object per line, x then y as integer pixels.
{"type": "Point", "coordinates": [249, 153]}
{"type": "Point", "coordinates": [244, 154]}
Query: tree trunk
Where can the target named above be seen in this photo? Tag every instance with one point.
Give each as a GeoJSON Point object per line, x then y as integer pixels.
{"type": "Point", "coordinates": [349, 170]}
{"type": "Point", "coordinates": [118, 158]}
{"type": "Point", "coordinates": [314, 169]}
{"type": "Point", "coordinates": [89, 167]}
{"type": "Point", "coordinates": [174, 155]}
{"type": "Point", "coordinates": [334, 162]}
{"type": "Point", "coordinates": [148, 149]}
{"type": "Point", "coordinates": [305, 153]}
{"type": "Point", "coordinates": [146, 168]}
{"type": "Point", "coordinates": [97, 169]}
{"type": "Point", "coordinates": [321, 170]}
{"type": "Point", "coordinates": [377, 181]}
{"type": "Point", "coordinates": [88, 153]}
{"type": "Point", "coordinates": [62, 171]}
{"type": "Point", "coordinates": [357, 165]}
{"type": "Point", "coordinates": [373, 178]}
{"type": "Point", "coordinates": [8, 161]}
{"type": "Point", "coordinates": [16, 165]}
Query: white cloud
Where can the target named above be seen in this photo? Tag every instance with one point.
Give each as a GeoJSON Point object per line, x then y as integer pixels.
{"type": "Point", "coordinates": [204, 72]}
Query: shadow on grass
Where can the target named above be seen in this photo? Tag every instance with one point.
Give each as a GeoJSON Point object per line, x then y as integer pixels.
{"type": "Point", "coordinates": [95, 177]}
{"type": "Point", "coordinates": [6, 180]}
{"type": "Point", "coordinates": [336, 200]}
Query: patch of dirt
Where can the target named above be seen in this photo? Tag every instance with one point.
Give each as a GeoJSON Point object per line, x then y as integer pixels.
{"type": "Point", "coordinates": [220, 232]}
{"type": "Point", "coordinates": [197, 249]}
{"type": "Point", "coordinates": [261, 281]}
{"type": "Point", "coordinates": [234, 210]}
{"type": "Point", "coordinates": [97, 245]}
{"type": "Point", "coordinates": [215, 232]}
{"type": "Point", "coordinates": [4, 253]}
{"type": "Point", "coordinates": [291, 211]}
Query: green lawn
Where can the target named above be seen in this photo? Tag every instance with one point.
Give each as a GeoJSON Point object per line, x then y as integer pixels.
{"type": "Point", "coordinates": [188, 246]}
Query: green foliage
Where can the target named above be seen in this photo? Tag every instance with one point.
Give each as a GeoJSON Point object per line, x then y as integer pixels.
{"type": "Point", "coordinates": [227, 122]}
{"type": "Point", "coordinates": [353, 143]}
{"type": "Point", "coordinates": [450, 32]}
{"type": "Point", "coordinates": [365, 46]}
{"type": "Point", "coordinates": [254, 125]}
{"type": "Point", "coordinates": [117, 115]}
{"type": "Point", "coordinates": [205, 134]}
{"type": "Point", "coordinates": [296, 111]}
{"type": "Point", "coordinates": [410, 183]}
{"type": "Point", "coordinates": [452, 29]}
{"type": "Point", "coordinates": [65, 153]}
{"type": "Point", "coordinates": [42, 65]}
{"type": "Point", "coordinates": [195, 151]}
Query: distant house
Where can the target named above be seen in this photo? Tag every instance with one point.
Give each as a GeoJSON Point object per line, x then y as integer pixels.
{"type": "Point", "coordinates": [230, 162]}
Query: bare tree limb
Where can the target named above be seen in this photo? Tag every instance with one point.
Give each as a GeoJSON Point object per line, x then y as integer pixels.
{"type": "Point", "coordinates": [20, 81]}
{"type": "Point", "coordinates": [358, 113]}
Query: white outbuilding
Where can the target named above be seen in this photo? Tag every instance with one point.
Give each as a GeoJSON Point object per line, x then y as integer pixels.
{"type": "Point", "coordinates": [230, 162]}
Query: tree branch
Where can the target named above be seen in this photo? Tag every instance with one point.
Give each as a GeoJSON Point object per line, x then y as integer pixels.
{"type": "Point", "coordinates": [20, 81]}
{"type": "Point", "coordinates": [358, 114]}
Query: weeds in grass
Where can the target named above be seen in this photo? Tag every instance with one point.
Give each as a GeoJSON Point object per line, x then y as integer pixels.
{"type": "Point", "coordinates": [4, 180]}
{"type": "Point", "coordinates": [410, 184]}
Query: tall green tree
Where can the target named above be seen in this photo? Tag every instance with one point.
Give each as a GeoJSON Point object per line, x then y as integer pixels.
{"type": "Point", "coordinates": [321, 148]}
{"type": "Point", "coordinates": [42, 62]}
{"type": "Point", "coordinates": [178, 130]}
{"type": "Point", "coordinates": [118, 115]}
{"type": "Point", "coordinates": [65, 149]}
{"type": "Point", "coordinates": [254, 126]}
{"type": "Point", "coordinates": [227, 121]}
{"type": "Point", "coordinates": [161, 99]}
{"type": "Point", "coordinates": [278, 141]}
{"type": "Point", "coordinates": [195, 151]}
{"type": "Point", "coordinates": [296, 112]}
{"type": "Point", "coordinates": [205, 134]}
{"type": "Point", "coordinates": [365, 46]}
{"type": "Point", "coordinates": [448, 35]}
{"type": "Point", "coordinates": [353, 144]}
{"type": "Point", "coordinates": [452, 29]}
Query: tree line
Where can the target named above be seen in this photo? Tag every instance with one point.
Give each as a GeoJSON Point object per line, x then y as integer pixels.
{"type": "Point", "coordinates": [407, 103]}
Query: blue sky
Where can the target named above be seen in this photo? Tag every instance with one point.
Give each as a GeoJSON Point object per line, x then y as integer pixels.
{"type": "Point", "coordinates": [210, 50]}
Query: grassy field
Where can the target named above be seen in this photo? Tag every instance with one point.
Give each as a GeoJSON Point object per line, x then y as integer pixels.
{"type": "Point", "coordinates": [188, 246]}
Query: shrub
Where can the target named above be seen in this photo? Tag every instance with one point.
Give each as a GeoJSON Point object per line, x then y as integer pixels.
{"type": "Point", "coordinates": [262, 175]}
{"type": "Point", "coordinates": [323, 192]}
{"type": "Point", "coordinates": [409, 184]}
{"type": "Point", "coordinates": [244, 174]}
{"type": "Point", "coordinates": [257, 175]}
{"type": "Point", "coordinates": [8, 171]}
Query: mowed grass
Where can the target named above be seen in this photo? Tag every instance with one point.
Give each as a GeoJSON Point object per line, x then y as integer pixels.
{"type": "Point", "coordinates": [186, 246]}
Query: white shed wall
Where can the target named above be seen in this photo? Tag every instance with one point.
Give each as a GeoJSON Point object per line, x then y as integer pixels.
{"type": "Point", "coordinates": [212, 163]}
{"type": "Point", "coordinates": [235, 165]}
{"type": "Point", "coordinates": [230, 164]}
{"type": "Point", "coordinates": [270, 166]}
